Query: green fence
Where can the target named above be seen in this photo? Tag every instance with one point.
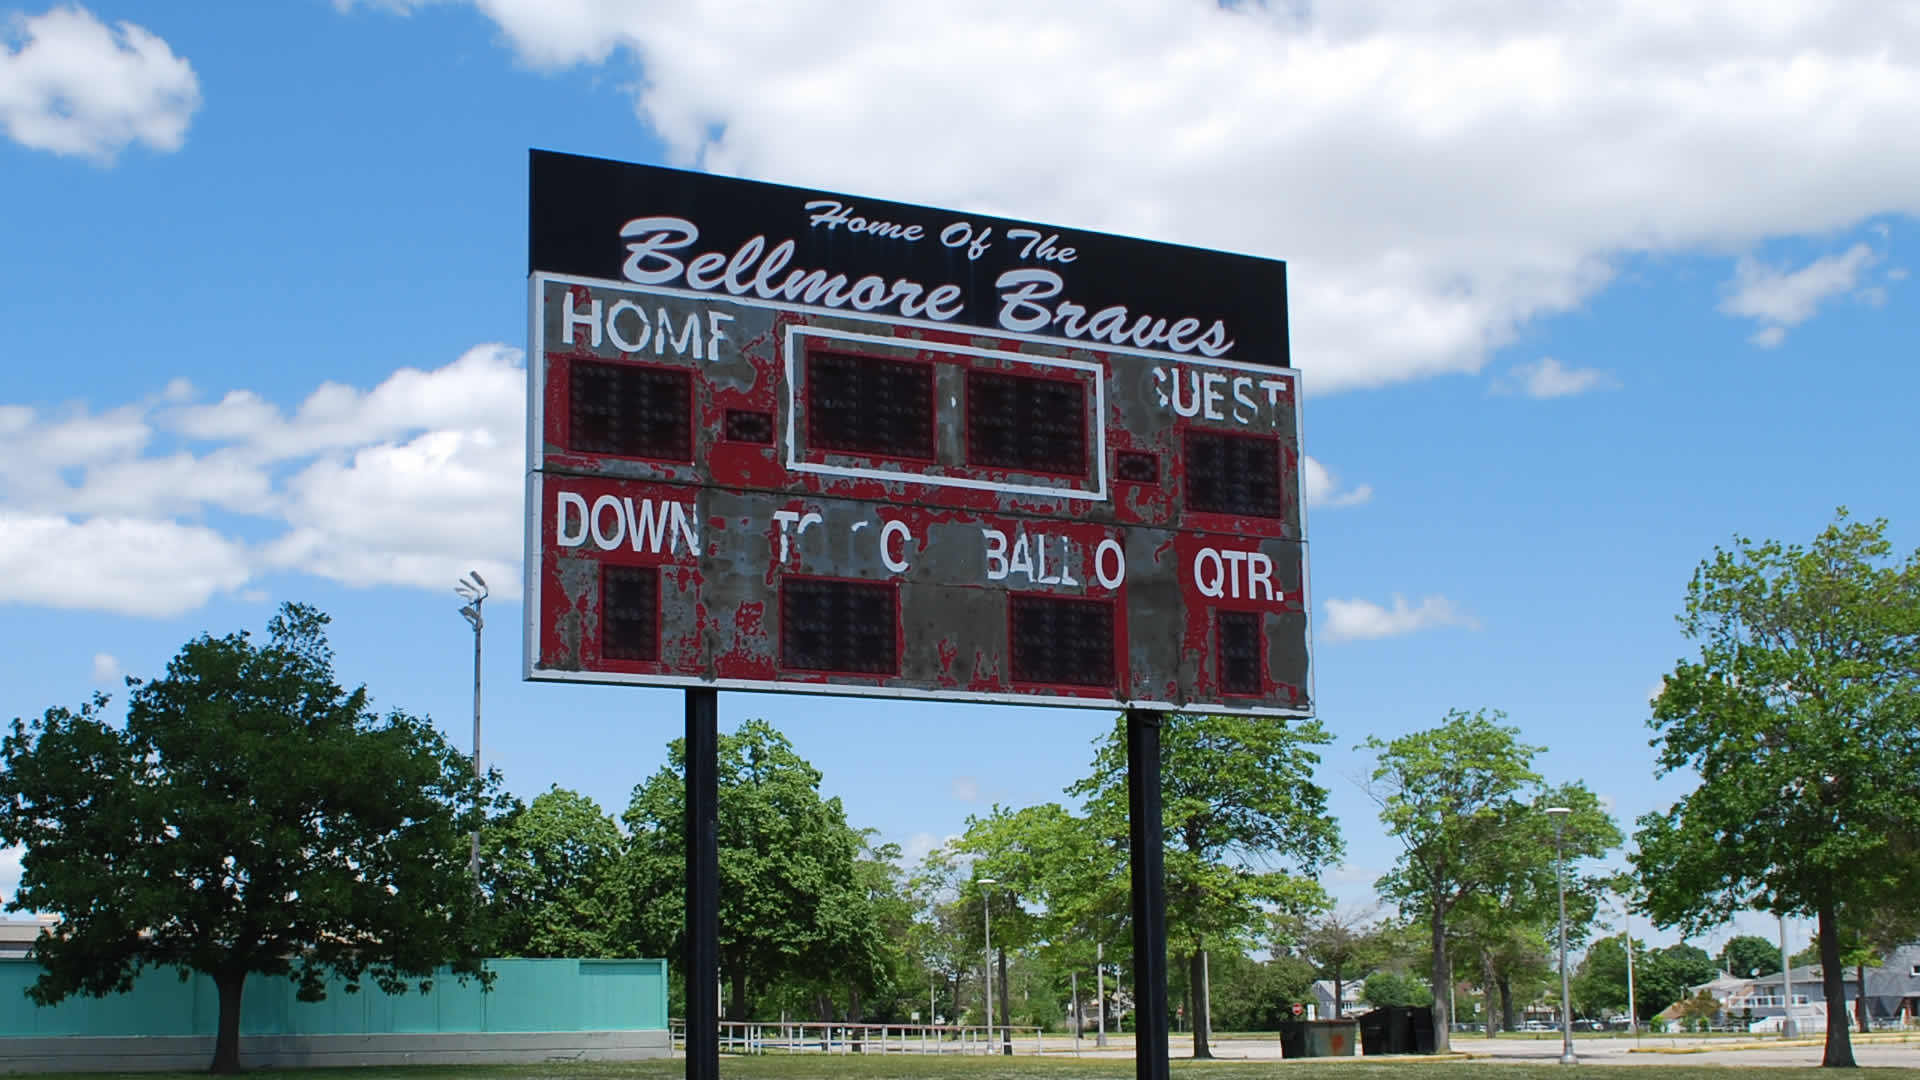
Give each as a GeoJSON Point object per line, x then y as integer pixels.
{"type": "Point", "coordinates": [527, 995]}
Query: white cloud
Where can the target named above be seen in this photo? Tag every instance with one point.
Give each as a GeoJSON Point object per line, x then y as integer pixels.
{"type": "Point", "coordinates": [1436, 177]}
{"type": "Point", "coordinates": [921, 844]}
{"type": "Point", "coordinates": [1898, 273]}
{"type": "Point", "coordinates": [412, 482]}
{"type": "Point", "coordinates": [1359, 620]}
{"type": "Point", "coordinates": [131, 565]}
{"type": "Point", "coordinates": [73, 85]}
{"type": "Point", "coordinates": [966, 789]}
{"type": "Point", "coordinates": [1548, 378]}
{"type": "Point", "coordinates": [1323, 488]}
{"type": "Point", "coordinates": [106, 669]}
{"type": "Point", "coordinates": [1779, 298]}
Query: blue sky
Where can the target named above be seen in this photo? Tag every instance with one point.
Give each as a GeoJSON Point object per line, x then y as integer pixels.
{"type": "Point", "coordinates": [1576, 297]}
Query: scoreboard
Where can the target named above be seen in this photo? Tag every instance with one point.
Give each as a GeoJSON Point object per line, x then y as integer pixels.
{"type": "Point", "coordinates": [781, 439]}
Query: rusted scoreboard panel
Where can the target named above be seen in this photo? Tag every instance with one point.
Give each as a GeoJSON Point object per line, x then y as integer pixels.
{"type": "Point", "coordinates": [787, 440]}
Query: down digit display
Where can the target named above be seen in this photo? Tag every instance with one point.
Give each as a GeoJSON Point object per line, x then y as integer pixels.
{"type": "Point", "coordinates": [1233, 474]}
{"type": "Point", "coordinates": [869, 405]}
{"type": "Point", "coordinates": [1026, 423]}
{"type": "Point", "coordinates": [629, 613]}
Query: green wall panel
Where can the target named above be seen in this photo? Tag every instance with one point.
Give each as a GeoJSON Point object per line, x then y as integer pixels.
{"type": "Point", "coordinates": [527, 995]}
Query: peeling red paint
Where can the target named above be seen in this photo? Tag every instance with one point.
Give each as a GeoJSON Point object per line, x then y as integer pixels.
{"type": "Point", "coordinates": [724, 604]}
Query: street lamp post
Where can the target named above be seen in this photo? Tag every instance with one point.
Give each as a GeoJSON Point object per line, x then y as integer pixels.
{"type": "Point", "coordinates": [1559, 815]}
{"type": "Point", "coordinates": [1633, 1015]}
{"type": "Point", "coordinates": [986, 913]}
{"type": "Point", "coordinates": [473, 589]}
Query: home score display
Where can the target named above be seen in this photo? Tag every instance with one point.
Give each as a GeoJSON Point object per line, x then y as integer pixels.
{"type": "Point", "coordinates": [781, 439]}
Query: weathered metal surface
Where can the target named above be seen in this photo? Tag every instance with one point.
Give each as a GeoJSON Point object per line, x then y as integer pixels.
{"type": "Point", "coordinates": [734, 519]}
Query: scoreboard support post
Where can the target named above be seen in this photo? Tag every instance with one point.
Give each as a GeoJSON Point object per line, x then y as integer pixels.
{"type": "Point", "coordinates": [703, 885]}
{"type": "Point", "coordinates": [1146, 836]}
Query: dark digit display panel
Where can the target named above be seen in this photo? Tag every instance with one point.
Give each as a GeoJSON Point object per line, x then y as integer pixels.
{"type": "Point", "coordinates": [839, 626]}
{"type": "Point", "coordinates": [1238, 650]}
{"type": "Point", "coordinates": [629, 613]}
{"type": "Point", "coordinates": [863, 404]}
{"type": "Point", "coordinates": [1234, 474]}
{"type": "Point", "coordinates": [1027, 423]}
{"type": "Point", "coordinates": [1062, 640]}
{"type": "Point", "coordinates": [631, 411]}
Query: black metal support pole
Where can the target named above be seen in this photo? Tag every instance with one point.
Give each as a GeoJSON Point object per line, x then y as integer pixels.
{"type": "Point", "coordinates": [703, 885]}
{"type": "Point", "coordinates": [1146, 841]}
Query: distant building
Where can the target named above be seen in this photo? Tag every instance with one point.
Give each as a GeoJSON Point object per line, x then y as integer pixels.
{"type": "Point", "coordinates": [1351, 997]}
{"type": "Point", "coordinates": [17, 936]}
{"type": "Point", "coordinates": [1892, 991]}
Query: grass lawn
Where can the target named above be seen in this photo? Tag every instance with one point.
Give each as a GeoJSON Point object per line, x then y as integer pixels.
{"type": "Point", "coordinates": [908, 1067]}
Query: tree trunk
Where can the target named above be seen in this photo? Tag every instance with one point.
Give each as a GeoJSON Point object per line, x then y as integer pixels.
{"type": "Point", "coordinates": [737, 1003]}
{"type": "Point", "coordinates": [1442, 977]}
{"type": "Point", "coordinates": [1509, 1019]}
{"type": "Point", "coordinates": [1490, 989]}
{"type": "Point", "coordinates": [1337, 993]}
{"type": "Point", "coordinates": [226, 1040]}
{"type": "Point", "coordinates": [1833, 982]}
{"type": "Point", "coordinates": [1860, 1003]}
{"type": "Point", "coordinates": [1202, 1023]}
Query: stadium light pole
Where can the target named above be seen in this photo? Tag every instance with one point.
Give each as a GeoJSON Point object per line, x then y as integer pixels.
{"type": "Point", "coordinates": [1559, 816]}
{"type": "Point", "coordinates": [986, 913]}
{"type": "Point", "coordinates": [473, 589]}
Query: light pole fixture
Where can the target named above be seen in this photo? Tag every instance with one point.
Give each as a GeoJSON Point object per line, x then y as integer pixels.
{"type": "Point", "coordinates": [473, 589]}
{"type": "Point", "coordinates": [986, 913]}
{"type": "Point", "coordinates": [1559, 816]}
{"type": "Point", "coordinates": [1626, 918]}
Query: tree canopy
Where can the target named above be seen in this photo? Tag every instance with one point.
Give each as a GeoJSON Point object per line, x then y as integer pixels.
{"type": "Point", "coordinates": [1801, 717]}
{"type": "Point", "coordinates": [1240, 810]}
{"type": "Point", "coordinates": [1469, 811]}
{"type": "Point", "coordinates": [1748, 955]}
{"type": "Point", "coordinates": [251, 817]}
{"type": "Point", "coordinates": [795, 906]}
{"type": "Point", "coordinates": [549, 869]}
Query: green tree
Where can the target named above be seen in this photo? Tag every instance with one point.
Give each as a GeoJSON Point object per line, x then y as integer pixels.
{"type": "Point", "coordinates": [793, 905]}
{"type": "Point", "coordinates": [1397, 988]}
{"type": "Point", "coordinates": [549, 871]}
{"type": "Point", "coordinates": [1748, 955]}
{"type": "Point", "coordinates": [1253, 995]}
{"type": "Point", "coordinates": [252, 817]}
{"type": "Point", "coordinates": [1236, 792]}
{"type": "Point", "coordinates": [1044, 863]}
{"type": "Point", "coordinates": [1665, 976]}
{"type": "Point", "coordinates": [1469, 811]}
{"type": "Point", "coordinates": [1600, 981]}
{"type": "Point", "coordinates": [1800, 718]}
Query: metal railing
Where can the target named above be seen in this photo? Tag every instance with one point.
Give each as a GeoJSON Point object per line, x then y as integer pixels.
{"type": "Point", "coordinates": [794, 1037]}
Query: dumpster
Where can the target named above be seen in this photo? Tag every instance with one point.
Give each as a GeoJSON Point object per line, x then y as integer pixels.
{"type": "Point", "coordinates": [1327, 1038]}
{"type": "Point", "coordinates": [1373, 1032]}
{"type": "Point", "coordinates": [1422, 1025]}
{"type": "Point", "coordinates": [1293, 1039]}
{"type": "Point", "coordinates": [1397, 1029]}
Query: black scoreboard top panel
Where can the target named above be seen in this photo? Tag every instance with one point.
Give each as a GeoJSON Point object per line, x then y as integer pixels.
{"type": "Point", "coordinates": [796, 440]}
